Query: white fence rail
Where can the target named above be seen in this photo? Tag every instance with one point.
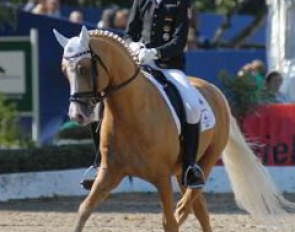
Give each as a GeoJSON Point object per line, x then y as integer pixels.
{"type": "Point", "coordinates": [66, 183]}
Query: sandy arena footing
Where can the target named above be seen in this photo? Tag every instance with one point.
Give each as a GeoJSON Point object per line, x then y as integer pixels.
{"type": "Point", "coordinates": [124, 212]}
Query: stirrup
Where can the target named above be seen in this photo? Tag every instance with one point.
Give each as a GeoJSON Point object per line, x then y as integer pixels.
{"type": "Point", "coordinates": [86, 181]}
{"type": "Point", "coordinates": [199, 182]}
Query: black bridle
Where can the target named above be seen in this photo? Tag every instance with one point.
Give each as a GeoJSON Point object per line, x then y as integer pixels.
{"type": "Point", "coordinates": [95, 96]}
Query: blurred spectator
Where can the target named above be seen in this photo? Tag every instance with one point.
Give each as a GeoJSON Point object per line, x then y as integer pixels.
{"type": "Point", "coordinates": [193, 33]}
{"type": "Point", "coordinates": [107, 18]}
{"type": "Point", "coordinates": [192, 40]}
{"type": "Point", "coordinates": [47, 7]}
{"type": "Point", "coordinates": [76, 17]}
{"type": "Point", "coordinates": [52, 8]}
{"type": "Point", "coordinates": [30, 5]}
{"type": "Point", "coordinates": [245, 70]}
{"type": "Point", "coordinates": [40, 8]}
{"type": "Point", "coordinates": [253, 75]}
{"type": "Point", "coordinates": [258, 73]}
{"type": "Point", "coordinates": [255, 71]}
{"type": "Point", "coordinates": [258, 67]}
{"type": "Point", "coordinates": [121, 19]}
{"type": "Point", "coordinates": [273, 82]}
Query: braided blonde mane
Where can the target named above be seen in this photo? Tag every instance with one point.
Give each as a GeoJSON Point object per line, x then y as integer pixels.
{"type": "Point", "coordinates": [116, 39]}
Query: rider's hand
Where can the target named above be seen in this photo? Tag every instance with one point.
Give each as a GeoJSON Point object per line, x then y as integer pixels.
{"type": "Point", "coordinates": [147, 55]}
{"type": "Point", "coordinates": [136, 46]}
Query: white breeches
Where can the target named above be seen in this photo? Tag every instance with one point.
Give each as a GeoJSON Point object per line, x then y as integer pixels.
{"type": "Point", "coordinates": [188, 93]}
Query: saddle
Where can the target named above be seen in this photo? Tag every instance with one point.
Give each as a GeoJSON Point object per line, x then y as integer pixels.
{"type": "Point", "coordinates": [171, 91]}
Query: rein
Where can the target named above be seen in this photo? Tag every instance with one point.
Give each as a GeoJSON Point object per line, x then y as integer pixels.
{"type": "Point", "coordinates": [94, 95]}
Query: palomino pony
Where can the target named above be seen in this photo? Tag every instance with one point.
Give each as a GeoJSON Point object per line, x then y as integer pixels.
{"type": "Point", "coordinates": [139, 136]}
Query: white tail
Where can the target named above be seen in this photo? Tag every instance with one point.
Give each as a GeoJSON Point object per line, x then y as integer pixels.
{"type": "Point", "coordinates": [252, 185]}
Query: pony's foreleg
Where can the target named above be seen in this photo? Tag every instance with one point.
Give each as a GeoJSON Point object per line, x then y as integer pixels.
{"type": "Point", "coordinates": [105, 181]}
{"type": "Point", "coordinates": [164, 187]}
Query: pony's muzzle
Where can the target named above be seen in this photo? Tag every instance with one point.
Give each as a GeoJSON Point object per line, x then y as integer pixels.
{"type": "Point", "coordinates": [77, 115]}
{"type": "Point", "coordinates": [79, 118]}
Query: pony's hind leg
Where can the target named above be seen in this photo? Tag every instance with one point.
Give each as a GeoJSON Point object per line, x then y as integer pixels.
{"type": "Point", "coordinates": [184, 205]}
{"type": "Point", "coordinates": [199, 208]}
{"type": "Point", "coordinates": [164, 187]}
{"type": "Point", "coordinates": [208, 161]}
{"type": "Point", "coordinates": [193, 199]}
{"type": "Point", "coordinates": [199, 205]}
{"type": "Point", "coordinates": [201, 213]}
{"type": "Point", "coordinates": [103, 184]}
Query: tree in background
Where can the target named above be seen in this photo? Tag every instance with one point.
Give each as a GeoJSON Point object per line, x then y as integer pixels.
{"type": "Point", "coordinates": [7, 11]}
{"type": "Point", "coordinates": [10, 134]}
{"type": "Point", "coordinates": [242, 93]}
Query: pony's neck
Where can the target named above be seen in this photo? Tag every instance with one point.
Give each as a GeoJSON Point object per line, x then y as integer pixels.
{"type": "Point", "coordinates": [126, 104]}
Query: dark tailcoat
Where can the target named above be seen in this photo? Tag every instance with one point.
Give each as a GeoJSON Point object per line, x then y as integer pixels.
{"type": "Point", "coordinates": [162, 26]}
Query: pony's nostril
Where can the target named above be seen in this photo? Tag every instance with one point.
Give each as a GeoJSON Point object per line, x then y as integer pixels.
{"type": "Point", "coordinates": [79, 118]}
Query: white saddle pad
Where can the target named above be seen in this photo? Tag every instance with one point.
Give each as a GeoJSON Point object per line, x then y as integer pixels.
{"type": "Point", "coordinates": [207, 116]}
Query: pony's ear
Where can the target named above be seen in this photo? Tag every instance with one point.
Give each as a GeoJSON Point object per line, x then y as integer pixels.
{"type": "Point", "coordinates": [60, 38]}
{"type": "Point", "coordinates": [84, 37]}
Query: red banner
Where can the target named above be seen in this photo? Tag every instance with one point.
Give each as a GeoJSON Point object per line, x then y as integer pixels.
{"type": "Point", "coordinates": [272, 129]}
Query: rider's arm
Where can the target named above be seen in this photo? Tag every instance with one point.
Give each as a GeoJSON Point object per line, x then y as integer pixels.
{"type": "Point", "coordinates": [179, 38]}
{"type": "Point", "coordinates": [134, 27]}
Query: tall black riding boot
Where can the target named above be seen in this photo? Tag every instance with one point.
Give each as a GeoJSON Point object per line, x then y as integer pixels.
{"type": "Point", "coordinates": [193, 175]}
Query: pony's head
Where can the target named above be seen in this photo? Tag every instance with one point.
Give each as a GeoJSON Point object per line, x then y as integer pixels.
{"type": "Point", "coordinates": [82, 67]}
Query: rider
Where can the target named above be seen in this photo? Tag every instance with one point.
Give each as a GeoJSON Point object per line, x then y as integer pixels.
{"type": "Point", "coordinates": [157, 31]}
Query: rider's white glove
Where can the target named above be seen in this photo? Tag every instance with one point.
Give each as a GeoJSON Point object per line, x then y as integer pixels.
{"type": "Point", "coordinates": [136, 46]}
{"type": "Point", "coordinates": [147, 55]}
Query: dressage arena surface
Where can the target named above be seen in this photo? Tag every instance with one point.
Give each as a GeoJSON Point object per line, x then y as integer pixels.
{"type": "Point", "coordinates": [124, 212]}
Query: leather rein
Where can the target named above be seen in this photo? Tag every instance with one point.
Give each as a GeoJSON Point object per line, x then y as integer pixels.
{"type": "Point", "coordinates": [94, 95]}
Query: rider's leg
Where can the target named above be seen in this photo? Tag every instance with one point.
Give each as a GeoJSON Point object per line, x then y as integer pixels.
{"type": "Point", "coordinates": [88, 180]}
{"type": "Point", "coordinates": [193, 175]}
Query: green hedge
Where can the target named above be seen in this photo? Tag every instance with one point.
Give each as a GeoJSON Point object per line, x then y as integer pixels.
{"type": "Point", "coordinates": [46, 158]}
